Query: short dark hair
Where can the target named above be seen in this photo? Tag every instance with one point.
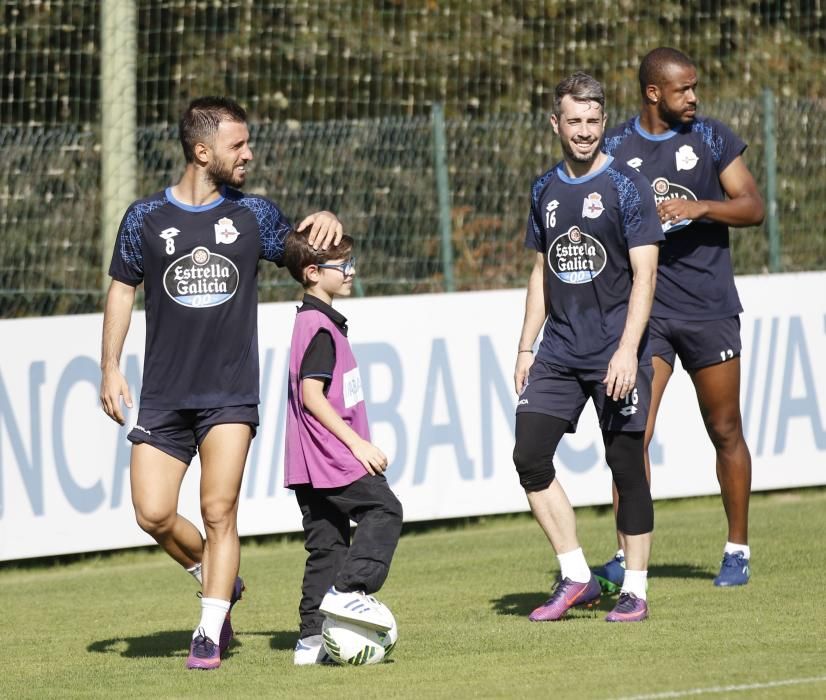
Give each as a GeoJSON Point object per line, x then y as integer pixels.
{"type": "Point", "coordinates": [654, 64]}
{"type": "Point", "coordinates": [298, 253]}
{"type": "Point", "coordinates": [200, 121]}
{"type": "Point", "coordinates": [582, 88]}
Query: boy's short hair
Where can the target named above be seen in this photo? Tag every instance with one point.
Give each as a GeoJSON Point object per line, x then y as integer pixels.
{"type": "Point", "coordinates": [299, 254]}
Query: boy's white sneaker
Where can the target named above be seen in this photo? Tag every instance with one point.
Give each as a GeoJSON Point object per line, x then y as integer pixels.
{"type": "Point", "coordinates": [357, 607]}
{"type": "Point", "coordinates": [310, 650]}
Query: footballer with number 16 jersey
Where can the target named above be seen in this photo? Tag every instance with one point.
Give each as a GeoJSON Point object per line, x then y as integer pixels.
{"type": "Point", "coordinates": [585, 226]}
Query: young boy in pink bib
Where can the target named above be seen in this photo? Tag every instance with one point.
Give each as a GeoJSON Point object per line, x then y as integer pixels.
{"type": "Point", "coordinates": [336, 472]}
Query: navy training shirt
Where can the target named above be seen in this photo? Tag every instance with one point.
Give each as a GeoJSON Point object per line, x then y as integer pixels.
{"type": "Point", "coordinates": [584, 227]}
{"type": "Point", "coordinates": [199, 266]}
{"type": "Point", "coordinates": [695, 279]}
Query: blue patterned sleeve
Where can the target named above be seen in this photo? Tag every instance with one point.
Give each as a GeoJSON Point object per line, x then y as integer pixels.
{"type": "Point", "coordinates": [127, 258]}
{"type": "Point", "coordinates": [535, 231]}
{"type": "Point", "coordinates": [273, 227]}
{"type": "Point", "coordinates": [724, 144]}
{"type": "Point", "coordinates": [638, 209]}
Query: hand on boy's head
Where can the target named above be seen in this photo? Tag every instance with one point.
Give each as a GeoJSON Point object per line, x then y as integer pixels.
{"type": "Point", "coordinates": [326, 229]}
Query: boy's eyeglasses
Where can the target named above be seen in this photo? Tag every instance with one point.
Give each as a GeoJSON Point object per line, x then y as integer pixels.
{"type": "Point", "coordinates": [346, 268]}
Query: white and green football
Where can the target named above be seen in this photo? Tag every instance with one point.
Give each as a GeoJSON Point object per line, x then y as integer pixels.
{"type": "Point", "coordinates": [350, 643]}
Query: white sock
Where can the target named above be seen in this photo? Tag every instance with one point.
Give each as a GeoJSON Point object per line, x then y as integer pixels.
{"type": "Point", "coordinates": [195, 571]}
{"type": "Point", "coordinates": [574, 566]}
{"type": "Point", "coordinates": [634, 582]}
{"type": "Point", "coordinates": [732, 547]}
{"type": "Point", "coordinates": [213, 612]}
{"type": "Point", "coordinates": [620, 554]}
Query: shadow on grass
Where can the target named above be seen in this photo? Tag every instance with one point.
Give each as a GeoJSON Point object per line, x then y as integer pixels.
{"type": "Point", "coordinates": [679, 571]}
{"type": "Point", "coordinates": [158, 645]}
{"type": "Point", "coordinates": [176, 643]}
{"type": "Point", "coordinates": [522, 604]}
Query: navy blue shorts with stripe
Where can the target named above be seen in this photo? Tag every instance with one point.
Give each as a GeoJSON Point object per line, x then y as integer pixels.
{"type": "Point", "coordinates": [180, 433]}
{"type": "Point", "coordinates": [698, 344]}
{"type": "Point", "coordinates": [562, 392]}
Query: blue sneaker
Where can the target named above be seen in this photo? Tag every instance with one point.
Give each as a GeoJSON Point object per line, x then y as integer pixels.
{"type": "Point", "coordinates": [734, 570]}
{"type": "Point", "coordinates": [611, 574]}
{"type": "Point", "coordinates": [227, 632]}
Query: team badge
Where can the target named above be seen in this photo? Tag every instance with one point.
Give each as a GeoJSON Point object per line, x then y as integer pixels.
{"type": "Point", "coordinates": [686, 158]}
{"type": "Point", "coordinates": [576, 257]}
{"type": "Point", "coordinates": [635, 163]}
{"type": "Point", "coordinates": [225, 231]}
{"type": "Point", "coordinates": [592, 206]}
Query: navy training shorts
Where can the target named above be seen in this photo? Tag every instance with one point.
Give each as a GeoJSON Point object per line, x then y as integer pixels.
{"type": "Point", "coordinates": [698, 344]}
{"type": "Point", "coordinates": [562, 392]}
{"type": "Point", "coordinates": [179, 433]}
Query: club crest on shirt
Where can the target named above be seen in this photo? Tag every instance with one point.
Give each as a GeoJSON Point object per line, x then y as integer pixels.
{"type": "Point", "coordinates": [592, 206]}
{"type": "Point", "coordinates": [665, 190]}
{"type": "Point", "coordinates": [225, 231]}
{"type": "Point", "coordinates": [686, 158]}
{"type": "Point", "coordinates": [201, 279]}
{"type": "Point", "coordinates": [576, 257]}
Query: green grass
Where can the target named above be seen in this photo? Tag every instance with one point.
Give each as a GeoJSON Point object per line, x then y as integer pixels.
{"type": "Point", "coordinates": [119, 625]}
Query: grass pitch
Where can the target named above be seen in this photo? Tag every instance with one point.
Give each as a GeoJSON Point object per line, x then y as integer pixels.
{"type": "Point", "coordinates": [119, 625]}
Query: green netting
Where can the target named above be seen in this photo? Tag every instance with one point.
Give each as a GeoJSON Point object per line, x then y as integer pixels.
{"type": "Point", "coordinates": [340, 96]}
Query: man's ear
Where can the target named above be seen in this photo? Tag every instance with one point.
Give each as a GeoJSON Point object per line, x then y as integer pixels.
{"type": "Point", "coordinates": [653, 94]}
{"type": "Point", "coordinates": [202, 152]}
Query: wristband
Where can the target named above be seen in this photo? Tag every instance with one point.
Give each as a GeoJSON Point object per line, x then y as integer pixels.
{"type": "Point", "coordinates": [518, 351]}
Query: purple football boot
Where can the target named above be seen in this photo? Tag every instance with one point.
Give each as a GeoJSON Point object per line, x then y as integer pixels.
{"type": "Point", "coordinates": [567, 594]}
{"type": "Point", "coordinates": [629, 608]}
{"type": "Point", "coordinates": [226, 630]}
{"type": "Point", "coordinates": [204, 654]}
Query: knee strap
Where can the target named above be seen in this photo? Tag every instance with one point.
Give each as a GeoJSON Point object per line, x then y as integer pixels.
{"type": "Point", "coordinates": [624, 454]}
{"type": "Point", "coordinates": [537, 436]}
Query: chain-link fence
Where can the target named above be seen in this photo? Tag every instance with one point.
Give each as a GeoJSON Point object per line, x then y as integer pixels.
{"type": "Point", "coordinates": [341, 98]}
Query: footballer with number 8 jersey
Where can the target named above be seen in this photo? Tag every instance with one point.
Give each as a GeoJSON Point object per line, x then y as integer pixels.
{"type": "Point", "coordinates": [195, 246]}
{"type": "Point", "coordinates": [595, 235]}
{"type": "Point", "coordinates": [702, 187]}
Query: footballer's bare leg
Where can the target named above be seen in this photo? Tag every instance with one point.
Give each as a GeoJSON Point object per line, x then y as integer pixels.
{"type": "Point", "coordinates": [718, 393]}
{"type": "Point", "coordinates": [223, 456]}
{"type": "Point", "coordinates": [155, 479]}
{"type": "Point", "coordinates": [637, 550]}
{"type": "Point", "coordinates": [555, 516]}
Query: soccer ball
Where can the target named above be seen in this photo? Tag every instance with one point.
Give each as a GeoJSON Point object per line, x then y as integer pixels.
{"type": "Point", "coordinates": [351, 643]}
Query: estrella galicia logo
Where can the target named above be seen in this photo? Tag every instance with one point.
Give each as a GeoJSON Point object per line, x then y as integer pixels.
{"type": "Point", "coordinates": [201, 279]}
{"type": "Point", "coordinates": [664, 190]}
{"type": "Point", "coordinates": [576, 257]}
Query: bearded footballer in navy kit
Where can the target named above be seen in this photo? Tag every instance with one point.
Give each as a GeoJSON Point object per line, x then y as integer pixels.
{"type": "Point", "coordinates": [594, 229]}
{"type": "Point", "coordinates": [702, 186]}
{"type": "Point", "coordinates": [195, 246]}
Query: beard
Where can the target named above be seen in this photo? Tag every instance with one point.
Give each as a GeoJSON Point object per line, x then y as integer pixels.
{"type": "Point", "coordinates": [578, 156]}
{"type": "Point", "coordinates": [220, 174]}
{"type": "Point", "coordinates": [676, 117]}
